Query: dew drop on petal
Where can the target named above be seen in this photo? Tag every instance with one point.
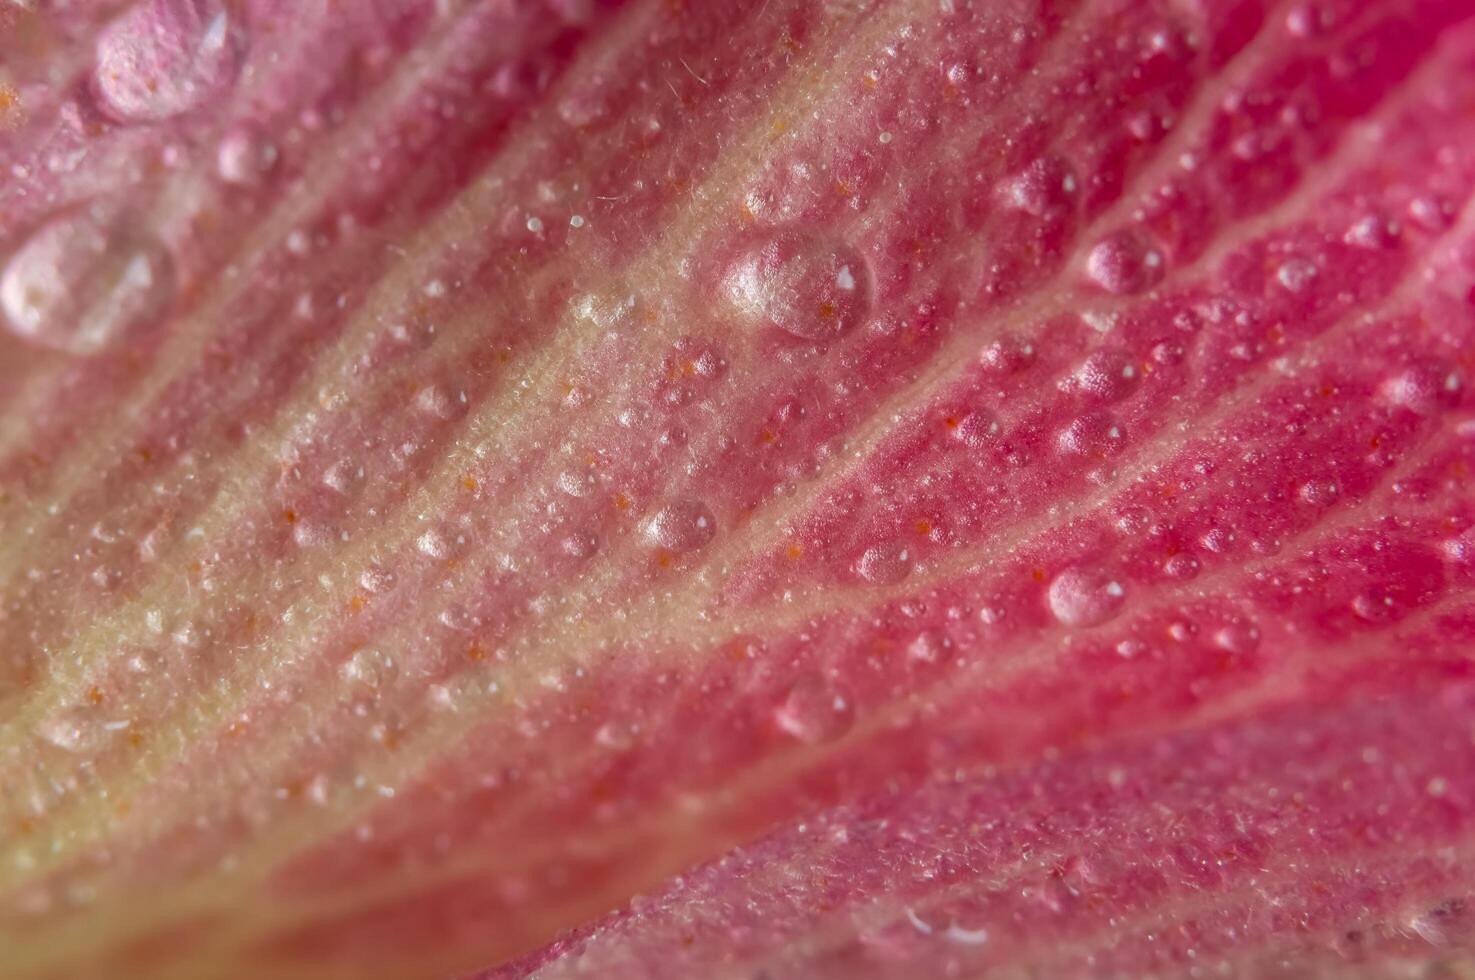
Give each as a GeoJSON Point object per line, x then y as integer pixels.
{"type": "Point", "coordinates": [84, 281]}
{"type": "Point", "coordinates": [1081, 598]}
{"type": "Point", "coordinates": [245, 156]}
{"type": "Point", "coordinates": [680, 526]}
{"type": "Point", "coordinates": [814, 711]}
{"type": "Point", "coordinates": [163, 58]}
{"type": "Point", "coordinates": [1423, 389]}
{"type": "Point", "coordinates": [1125, 263]}
{"type": "Point", "coordinates": [1238, 637]}
{"type": "Point", "coordinates": [1296, 274]}
{"type": "Point", "coordinates": [884, 564]}
{"type": "Point", "coordinates": [1181, 566]}
{"type": "Point", "coordinates": [810, 288]}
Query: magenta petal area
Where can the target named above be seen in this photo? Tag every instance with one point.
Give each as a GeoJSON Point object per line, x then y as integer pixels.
{"type": "Point", "coordinates": [744, 489]}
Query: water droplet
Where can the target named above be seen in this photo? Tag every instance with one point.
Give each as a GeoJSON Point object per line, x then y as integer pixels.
{"type": "Point", "coordinates": [1085, 599]}
{"type": "Point", "coordinates": [1125, 263]}
{"type": "Point", "coordinates": [1095, 434]}
{"type": "Point", "coordinates": [377, 579]}
{"type": "Point", "coordinates": [577, 483]}
{"type": "Point", "coordinates": [1046, 186]}
{"type": "Point", "coordinates": [680, 526]}
{"type": "Point", "coordinates": [975, 429]}
{"type": "Point", "coordinates": [1296, 274]}
{"type": "Point", "coordinates": [1239, 637]}
{"type": "Point", "coordinates": [76, 730]}
{"type": "Point", "coordinates": [1424, 388]}
{"type": "Point", "coordinates": [245, 156]}
{"type": "Point", "coordinates": [441, 402]}
{"type": "Point", "coordinates": [814, 711]}
{"type": "Point", "coordinates": [884, 564]}
{"type": "Point", "coordinates": [84, 280]}
{"type": "Point", "coordinates": [579, 544]}
{"type": "Point", "coordinates": [368, 673]}
{"type": "Point", "coordinates": [1372, 232]}
{"type": "Point", "coordinates": [1182, 566]}
{"type": "Point", "coordinates": [811, 288]}
{"type": "Point", "coordinates": [1308, 20]}
{"type": "Point", "coordinates": [165, 57]}
{"type": "Point", "coordinates": [442, 544]}
{"type": "Point", "coordinates": [1107, 376]}
{"type": "Point", "coordinates": [1433, 214]}
{"type": "Point", "coordinates": [1006, 355]}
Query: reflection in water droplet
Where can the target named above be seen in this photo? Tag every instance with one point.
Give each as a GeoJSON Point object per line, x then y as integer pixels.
{"type": "Point", "coordinates": [165, 57]}
{"type": "Point", "coordinates": [814, 711]}
{"type": "Point", "coordinates": [1296, 274]}
{"type": "Point", "coordinates": [83, 281]}
{"type": "Point", "coordinates": [1238, 637]}
{"type": "Point", "coordinates": [680, 526]}
{"type": "Point", "coordinates": [245, 156]}
{"type": "Point", "coordinates": [1125, 262]}
{"type": "Point", "coordinates": [1424, 388]}
{"type": "Point", "coordinates": [810, 288]}
{"type": "Point", "coordinates": [368, 673]}
{"type": "Point", "coordinates": [1085, 599]}
{"type": "Point", "coordinates": [884, 564]}
{"type": "Point", "coordinates": [1044, 187]}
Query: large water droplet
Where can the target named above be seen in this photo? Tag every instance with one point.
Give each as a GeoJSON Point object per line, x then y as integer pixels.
{"type": "Point", "coordinates": [1044, 187]}
{"type": "Point", "coordinates": [1424, 388]}
{"type": "Point", "coordinates": [1081, 598]}
{"type": "Point", "coordinates": [814, 711]}
{"type": "Point", "coordinates": [1125, 262]}
{"type": "Point", "coordinates": [83, 281]}
{"type": "Point", "coordinates": [165, 57]}
{"type": "Point", "coordinates": [809, 287]}
{"type": "Point", "coordinates": [884, 564]}
{"type": "Point", "coordinates": [682, 525]}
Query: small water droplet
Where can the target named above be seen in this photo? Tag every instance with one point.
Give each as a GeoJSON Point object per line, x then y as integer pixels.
{"type": "Point", "coordinates": [165, 57]}
{"type": "Point", "coordinates": [84, 280]}
{"type": "Point", "coordinates": [1046, 186]}
{"type": "Point", "coordinates": [1182, 566]}
{"type": "Point", "coordinates": [1239, 637]}
{"type": "Point", "coordinates": [1007, 355]}
{"type": "Point", "coordinates": [884, 564]}
{"type": "Point", "coordinates": [1125, 263]}
{"type": "Point", "coordinates": [1296, 274]}
{"type": "Point", "coordinates": [442, 544]}
{"type": "Point", "coordinates": [1081, 598]}
{"type": "Point", "coordinates": [245, 156]}
{"type": "Point", "coordinates": [1095, 434]}
{"type": "Point", "coordinates": [1373, 231]}
{"type": "Point", "coordinates": [1106, 376]}
{"type": "Point", "coordinates": [814, 711]}
{"type": "Point", "coordinates": [811, 288]}
{"type": "Point", "coordinates": [368, 673]}
{"type": "Point", "coordinates": [577, 483]}
{"type": "Point", "coordinates": [975, 429]}
{"type": "Point", "coordinates": [680, 526]}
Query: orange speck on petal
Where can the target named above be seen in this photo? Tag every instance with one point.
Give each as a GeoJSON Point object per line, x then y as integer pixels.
{"type": "Point", "coordinates": [794, 551]}
{"type": "Point", "coordinates": [356, 604]}
{"type": "Point", "coordinates": [1037, 573]}
{"type": "Point", "coordinates": [94, 694]}
{"type": "Point", "coordinates": [469, 482]}
{"type": "Point", "coordinates": [924, 526]}
{"type": "Point", "coordinates": [622, 501]}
